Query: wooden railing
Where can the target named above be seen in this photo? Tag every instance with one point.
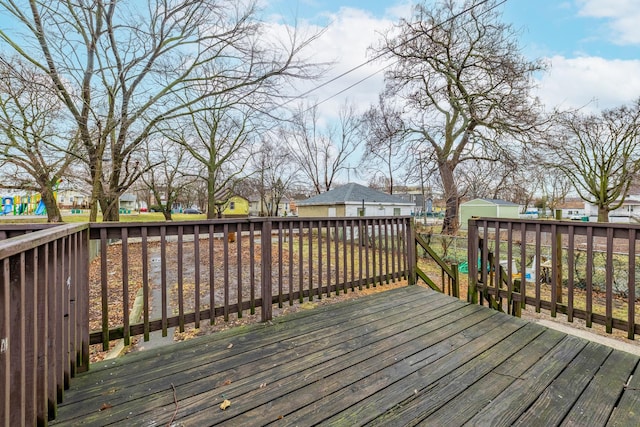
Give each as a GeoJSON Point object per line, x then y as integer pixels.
{"type": "Point", "coordinates": [580, 269]}
{"type": "Point", "coordinates": [44, 329]}
{"type": "Point", "coordinates": [449, 275]}
{"type": "Point", "coordinates": [173, 274]}
{"type": "Point", "coordinates": [13, 230]}
{"type": "Point", "coordinates": [183, 273]}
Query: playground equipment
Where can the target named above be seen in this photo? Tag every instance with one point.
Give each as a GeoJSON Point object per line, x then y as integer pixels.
{"type": "Point", "coordinates": [23, 205]}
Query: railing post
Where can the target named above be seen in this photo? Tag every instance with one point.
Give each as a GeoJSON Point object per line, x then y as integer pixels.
{"type": "Point", "coordinates": [5, 349]}
{"type": "Point", "coordinates": [411, 251]}
{"type": "Point", "coordinates": [557, 269]}
{"type": "Point", "coordinates": [266, 290]}
{"type": "Point", "coordinates": [83, 293]}
{"type": "Point", "coordinates": [472, 261]}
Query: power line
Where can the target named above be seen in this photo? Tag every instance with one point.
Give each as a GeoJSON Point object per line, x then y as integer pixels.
{"type": "Point", "coordinates": [380, 55]}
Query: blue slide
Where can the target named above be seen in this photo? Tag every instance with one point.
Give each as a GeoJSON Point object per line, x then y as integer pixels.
{"type": "Point", "coordinates": [6, 210]}
{"type": "Point", "coordinates": [41, 210]}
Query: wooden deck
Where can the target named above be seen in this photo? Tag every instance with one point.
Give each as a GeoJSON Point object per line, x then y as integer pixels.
{"type": "Point", "coordinates": [404, 357]}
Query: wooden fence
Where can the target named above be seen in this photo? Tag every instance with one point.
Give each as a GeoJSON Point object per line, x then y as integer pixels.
{"type": "Point", "coordinates": [44, 329]}
{"type": "Point", "coordinates": [580, 269]}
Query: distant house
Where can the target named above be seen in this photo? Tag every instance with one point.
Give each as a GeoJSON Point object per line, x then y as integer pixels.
{"type": "Point", "coordinates": [237, 206]}
{"type": "Point", "coordinates": [128, 202]}
{"type": "Point", "coordinates": [354, 200]}
{"type": "Point", "coordinates": [572, 209]}
{"type": "Point", "coordinates": [69, 198]}
{"type": "Point", "coordinates": [628, 212]}
{"type": "Point", "coordinates": [488, 208]}
{"type": "Point", "coordinates": [258, 206]}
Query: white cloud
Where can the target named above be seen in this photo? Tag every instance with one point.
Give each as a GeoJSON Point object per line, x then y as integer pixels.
{"type": "Point", "coordinates": [585, 81]}
{"type": "Point", "coordinates": [623, 17]}
{"type": "Point", "coordinates": [591, 82]}
{"type": "Point", "coordinates": [345, 43]}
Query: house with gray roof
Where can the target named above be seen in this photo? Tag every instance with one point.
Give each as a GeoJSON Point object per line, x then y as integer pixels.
{"type": "Point", "coordinates": [354, 200]}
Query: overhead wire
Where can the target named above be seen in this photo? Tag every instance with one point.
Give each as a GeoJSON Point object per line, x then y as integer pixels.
{"type": "Point", "coordinates": [381, 55]}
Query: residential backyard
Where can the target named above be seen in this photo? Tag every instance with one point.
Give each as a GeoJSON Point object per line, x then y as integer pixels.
{"type": "Point", "coordinates": [138, 284]}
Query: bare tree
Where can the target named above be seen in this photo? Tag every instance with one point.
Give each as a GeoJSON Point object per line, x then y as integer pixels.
{"type": "Point", "coordinates": [600, 155]}
{"type": "Point", "coordinates": [506, 176]}
{"type": "Point", "coordinates": [275, 172]}
{"type": "Point", "coordinates": [384, 133]}
{"type": "Point", "coordinates": [219, 136]}
{"type": "Point", "coordinates": [165, 178]}
{"type": "Point", "coordinates": [322, 153]}
{"type": "Point", "coordinates": [121, 68]}
{"type": "Point", "coordinates": [35, 149]}
{"type": "Point", "coordinates": [464, 85]}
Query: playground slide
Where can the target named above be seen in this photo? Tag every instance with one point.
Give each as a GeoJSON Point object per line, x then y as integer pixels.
{"type": "Point", "coordinates": [41, 210]}
{"type": "Point", "coordinates": [6, 210]}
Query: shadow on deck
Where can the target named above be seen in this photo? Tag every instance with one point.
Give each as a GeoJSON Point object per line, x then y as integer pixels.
{"type": "Point", "coordinates": [403, 357]}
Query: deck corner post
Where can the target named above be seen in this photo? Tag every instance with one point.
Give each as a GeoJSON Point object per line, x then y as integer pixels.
{"type": "Point", "coordinates": [412, 250]}
{"type": "Point", "coordinates": [266, 290]}
{"type": "Point", "coordinates": [472, 261]}
{"type": "Point", "coordinates": [83, 280]}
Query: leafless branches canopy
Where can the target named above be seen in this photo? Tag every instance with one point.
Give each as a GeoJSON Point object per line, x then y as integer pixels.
{"type": "Point", "coordinates": [122, 67]}
{"type": "Point", "coordinates": [322, 152]}
{"type": "Point", "coordinates": [35, 151]}
{"type": "Point", "coordinates": [599, 154]}
{"type": "Point", "coordinates": [464, 85]}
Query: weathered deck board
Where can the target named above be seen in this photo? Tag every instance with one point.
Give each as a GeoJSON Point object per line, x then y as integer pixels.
{"type": "Point", "coordinates": [187, 355]}
{"type": "Point", "coordinates": [403, 357]}
{"type": "Point", "coordinates": [628, 411]}
{"type": "Point", "coordinates": [599, 398]}
{"type": "Point", "coordinates": [457, 410]}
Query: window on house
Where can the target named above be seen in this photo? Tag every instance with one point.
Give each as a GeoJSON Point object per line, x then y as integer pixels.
{"type": "Point", "coordinates": [232, 205]}
{"type": "Point", "coordinates": [396, 211]}
{"type": "Point", "coordinates": [361, 211]}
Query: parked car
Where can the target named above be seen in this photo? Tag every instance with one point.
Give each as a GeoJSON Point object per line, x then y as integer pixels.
{"type": "Point", "coordinates": [192, 211]}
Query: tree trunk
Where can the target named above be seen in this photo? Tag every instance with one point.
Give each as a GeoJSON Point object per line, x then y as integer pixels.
{"type": "Point", "coordinates": [53, 212]}
{"type": "Point", "coordinates": [212, 211]}
{"type": "Point", "coordinates": [93, 211]}
{"type": "Point", "coordinates": [93, 202]}
{"type": "Point", "coordinates": [110, 210]}
{"type": "Point", "coordinates": [603, 214]}
{"type": "Point", "coordinates": [450, 224]}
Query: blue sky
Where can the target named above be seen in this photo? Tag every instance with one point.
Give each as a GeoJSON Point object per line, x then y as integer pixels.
{"type": "Point", "coordinates": [593, 46]}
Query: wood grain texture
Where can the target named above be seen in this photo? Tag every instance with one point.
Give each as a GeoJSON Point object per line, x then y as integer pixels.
{"type": "Point", "coordinates": [409, 356]}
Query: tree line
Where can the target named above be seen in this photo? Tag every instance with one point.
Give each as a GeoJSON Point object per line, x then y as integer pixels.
{"type": "Point", "coordinates": [173, 95]}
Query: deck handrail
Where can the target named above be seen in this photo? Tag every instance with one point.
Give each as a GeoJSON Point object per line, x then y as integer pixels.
{"type": "Point", "coordinates": [449, 274]}
{"type": "Point", "coordinates": [44, 333]}
{"type": "Point", "coordinates": [336, 256]}
{"type": "Point", "coordinates": [46, 291]}
{"type": "Point", "coordinates": [583, 262]}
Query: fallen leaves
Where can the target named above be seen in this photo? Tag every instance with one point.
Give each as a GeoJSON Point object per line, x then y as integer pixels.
{"type": "Point", "coordinates": [105, 406]}
{"type": "Point", "coordinates": [225, 404]}
{"type": "Point", "coordinates": [230, 345]}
